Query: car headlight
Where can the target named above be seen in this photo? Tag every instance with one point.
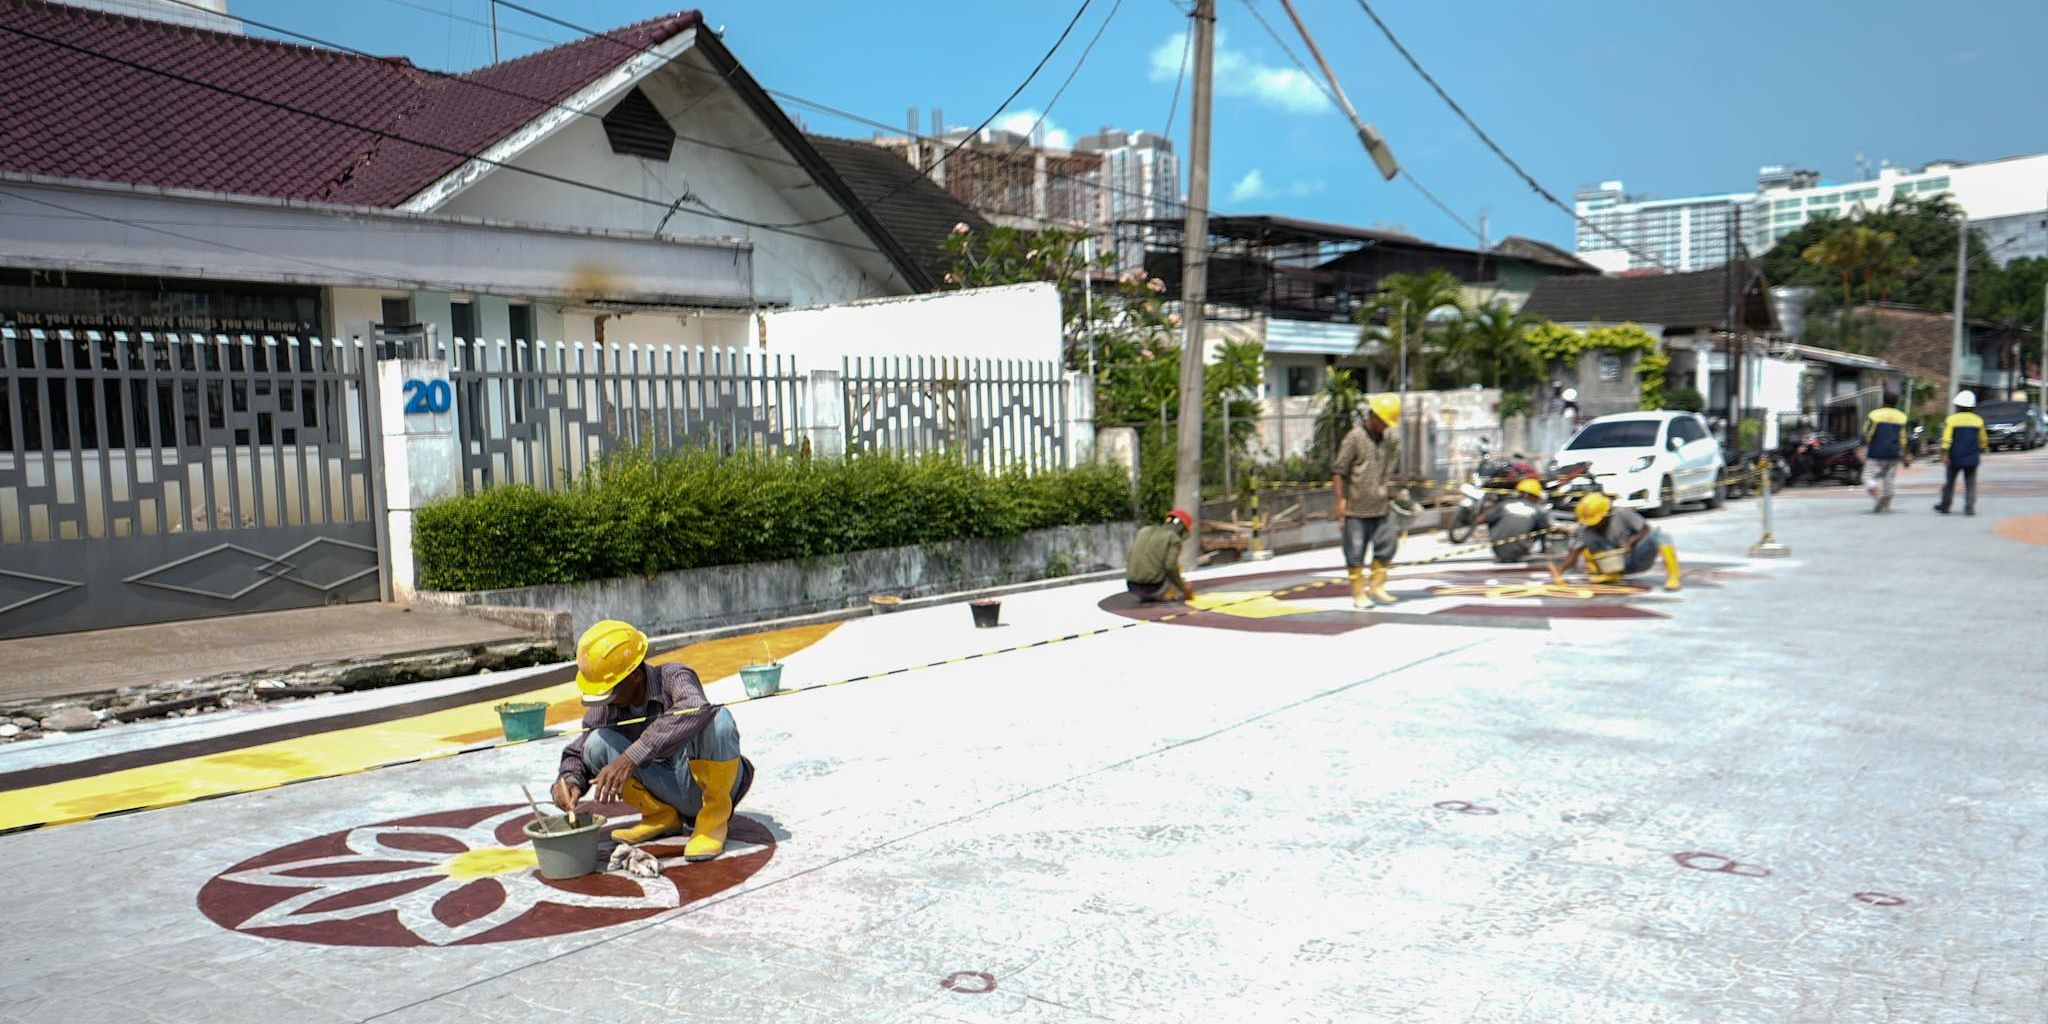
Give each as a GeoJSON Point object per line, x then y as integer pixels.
{"type": "Point", "coordinates": [1641, 464]}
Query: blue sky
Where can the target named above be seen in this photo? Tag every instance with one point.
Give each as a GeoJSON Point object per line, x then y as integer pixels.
{"type": "Point", "coordinates": [1672, 98]}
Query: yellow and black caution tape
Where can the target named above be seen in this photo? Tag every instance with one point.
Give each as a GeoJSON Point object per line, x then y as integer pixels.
{"type": "Point", "coordinates": [868, 677]}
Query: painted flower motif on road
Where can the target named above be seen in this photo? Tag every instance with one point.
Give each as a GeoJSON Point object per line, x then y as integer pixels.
{"type": "Point", "coordinates": [454, 878]}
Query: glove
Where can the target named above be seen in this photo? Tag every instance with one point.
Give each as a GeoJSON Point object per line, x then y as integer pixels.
{"type": "Point", "coordinates": [635, 860]}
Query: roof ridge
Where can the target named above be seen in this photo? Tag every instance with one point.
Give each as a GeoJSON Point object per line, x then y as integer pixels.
{"type": "Point", "coordinates": [689, 18]}
{"type": "Point", "coordinates": [75, 11]}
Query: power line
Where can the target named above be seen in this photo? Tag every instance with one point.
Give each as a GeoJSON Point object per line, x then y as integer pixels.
{"type": "Point", "coordinates": [1530, 179]}
{"type": "Point", "coordinates": [907, 183]}
{"type": "Point", "coordinates": [1187, 42]}
{"type": "Point", "coordinates": [1069, 80]}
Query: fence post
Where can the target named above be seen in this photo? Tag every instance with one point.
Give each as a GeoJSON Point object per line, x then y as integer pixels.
{"type": "Point", "coordinates": [827, 401]}
{"type": "Point", "coordinates": [422, 461]}
{"type": "Point", "coordinates": [1080, 439]}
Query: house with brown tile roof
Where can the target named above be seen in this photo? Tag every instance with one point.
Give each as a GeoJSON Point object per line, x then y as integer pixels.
{"type": "Point", "coordinates": [639, 182]}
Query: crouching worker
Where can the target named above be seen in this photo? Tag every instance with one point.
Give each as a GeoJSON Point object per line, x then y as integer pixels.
{"type": "Point", "coordinates": [1154, 570]}
{"type": "Point", "coordinates": [1606, 528]}
{"type": "Point", "coordinates": [678, 770]}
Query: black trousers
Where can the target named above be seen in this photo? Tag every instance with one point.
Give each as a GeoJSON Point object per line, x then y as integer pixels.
{"type": "Point", "coordinates": [1948, 488]}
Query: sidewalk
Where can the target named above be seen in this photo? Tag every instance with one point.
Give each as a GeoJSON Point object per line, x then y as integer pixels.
{"type": "Point", "coordinates": [101, 663]}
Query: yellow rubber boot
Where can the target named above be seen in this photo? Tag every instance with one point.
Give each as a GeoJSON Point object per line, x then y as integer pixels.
{"type": "Point", "coordinates": [1670, 566]}
{"type": "Point", "coordinates": [1357, 574]}
{"type": "Point", "coordinates": [716, 779]}
{"type": "Point", "coordinates": [657, 819]}
{"type": "Point", "coordinates": [1378, 587]}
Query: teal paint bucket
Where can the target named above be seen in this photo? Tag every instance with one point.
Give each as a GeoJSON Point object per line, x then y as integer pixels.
{"type": "Point", "coordinates": [524, 720]}
{"type": "Point", "coordinates": [761, 680]}
{"type": "Point", "coordinates": [566, 848]}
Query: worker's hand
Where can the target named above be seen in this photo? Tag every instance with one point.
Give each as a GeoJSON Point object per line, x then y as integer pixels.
{"type": "Point", "coordinates": [611, 779]}
{"type": "Point", "coordinates": [566, 793]}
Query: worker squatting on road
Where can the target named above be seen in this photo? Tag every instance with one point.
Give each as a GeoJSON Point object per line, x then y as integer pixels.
{"type": "Point", "coordinates": [1605, 528]}
{"type": "Point", "coordinates": [1884, 451]}
{"type": "Point", "coordinates": [1153, 572]}
{"type": "Point", "coordinates": [1963, 440]}
{"type": "Point", "coordinates": [677, 770]}
{"type": "Point", "coordinates": [1362, 477]}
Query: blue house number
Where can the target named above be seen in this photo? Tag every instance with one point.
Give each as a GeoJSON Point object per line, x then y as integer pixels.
{"type": "Point", "coordinates": [428, 396]}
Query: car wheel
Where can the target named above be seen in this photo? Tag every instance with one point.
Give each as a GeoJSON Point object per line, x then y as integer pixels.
{"type": "Point", "coordinates": [1719, 495]}
{"type": "Point", "coordinates": [1667, 498]}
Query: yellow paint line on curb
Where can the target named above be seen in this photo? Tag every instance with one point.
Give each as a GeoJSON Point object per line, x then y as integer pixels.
{"type": "Point", "coordinates": [434, 734]}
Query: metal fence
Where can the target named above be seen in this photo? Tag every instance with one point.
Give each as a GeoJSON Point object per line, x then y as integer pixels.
{"type": "Point", "coordinates": [152, 477]}
{"type": "Point", "coordinates": [540, 413]}
{"type": "Point", "coordinates": [994, 413]}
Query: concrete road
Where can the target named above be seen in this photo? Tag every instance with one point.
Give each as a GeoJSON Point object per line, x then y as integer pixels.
{"type": "Point", "coordinates": [1800, 790]}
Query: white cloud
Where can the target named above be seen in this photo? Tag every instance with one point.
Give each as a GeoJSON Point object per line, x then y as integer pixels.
{"type": "Point", "coordinates": [1240, 75]}
{"type": "Point", "coordinates": [1022, 120]}
{"type": "Point", "coordinates": [1253, 186]}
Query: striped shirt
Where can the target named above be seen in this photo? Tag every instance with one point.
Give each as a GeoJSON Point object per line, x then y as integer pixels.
{"type": "Point", "coordinates": [661, 736]}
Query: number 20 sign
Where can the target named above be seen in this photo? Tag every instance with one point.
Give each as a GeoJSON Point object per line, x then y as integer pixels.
{"type": "Point", "coordinates": [424, 397]}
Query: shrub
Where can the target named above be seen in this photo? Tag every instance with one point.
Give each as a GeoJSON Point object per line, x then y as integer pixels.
{"type": "Point", "coordinates": [636, 515]}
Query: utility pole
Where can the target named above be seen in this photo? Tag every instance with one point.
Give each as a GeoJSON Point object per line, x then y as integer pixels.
{"type": "Point", "coordinates": [1955, 351]}
{"type": "Point", "coordinates": [1187, 472]}
{"type": "Point", "coordinates": [2041, 368]}
{"type": "Point", "coordinates": [1728, 337]}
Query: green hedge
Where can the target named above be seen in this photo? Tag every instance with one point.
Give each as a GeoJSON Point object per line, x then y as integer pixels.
{"type": "Point", "coordinates": [638, 515]}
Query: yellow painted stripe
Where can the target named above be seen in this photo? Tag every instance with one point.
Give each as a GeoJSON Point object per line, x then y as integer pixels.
{"type": "Point", "coordinates": [432, 735]}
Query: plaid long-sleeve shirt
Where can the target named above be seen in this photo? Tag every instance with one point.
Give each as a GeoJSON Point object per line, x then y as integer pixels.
{"type": "Point", "coordinates": [661, 736]}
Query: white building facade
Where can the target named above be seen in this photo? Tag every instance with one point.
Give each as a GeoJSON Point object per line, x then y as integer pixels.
{"type": "Point", "coordinates": [1617, 231]}
{"type": "Point", "coordinates": [1139, 180]}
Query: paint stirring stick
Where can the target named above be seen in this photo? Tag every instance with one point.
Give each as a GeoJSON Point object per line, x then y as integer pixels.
{"type": "Point", "coordinates": [539, 818]}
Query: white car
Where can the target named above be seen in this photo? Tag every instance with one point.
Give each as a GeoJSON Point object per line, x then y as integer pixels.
{"type": "Point", "coordinates": [1650, 460]}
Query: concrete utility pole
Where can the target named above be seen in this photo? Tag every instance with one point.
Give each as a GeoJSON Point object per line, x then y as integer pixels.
{"type": "Point", "coordinates": [1194, 270]}
{"type": "Point", "coordinates": [1955, 350]}
{"type": "Point", "coordinates": [2041, 368]}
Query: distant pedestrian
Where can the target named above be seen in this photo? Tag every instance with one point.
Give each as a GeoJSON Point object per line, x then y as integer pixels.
{"type": "Point", "coordinates": [1884, 450]}
{"type": "Point", "coordinates": [1963, 440]}
{"type": "Point", "coordinates": [1153, 571]}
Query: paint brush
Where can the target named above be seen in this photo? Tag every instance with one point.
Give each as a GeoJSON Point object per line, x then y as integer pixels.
{"type": "Point", "coordinates": [539, 818]}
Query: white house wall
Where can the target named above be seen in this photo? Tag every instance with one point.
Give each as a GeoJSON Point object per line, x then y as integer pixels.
{"type": "Point", "coordinates": [1011, 322]}
{"type": "Point", "coordinates": [838, 262]}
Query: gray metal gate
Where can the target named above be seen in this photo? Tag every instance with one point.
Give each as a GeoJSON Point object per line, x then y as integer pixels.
{"type": "Point", "coordinates": [994, 413]}
{"type": "Point", "coordinates": [157, 477]}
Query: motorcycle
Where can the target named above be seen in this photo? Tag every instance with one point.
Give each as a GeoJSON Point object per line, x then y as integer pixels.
{"type": "Point", "coordinates": [1511, 522]}
{"type": "Point", "coordinates": [1816, 456]}
{"type": "Point", "coordinates": [1494, 477]}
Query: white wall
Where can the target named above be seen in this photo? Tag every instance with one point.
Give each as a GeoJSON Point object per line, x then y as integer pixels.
{"type": "Point", "coordinates": [827, 262]}
{"type": "Point", "coordinates": [1011, 322]}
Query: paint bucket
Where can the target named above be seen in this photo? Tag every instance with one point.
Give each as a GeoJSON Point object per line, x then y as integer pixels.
{"type": "Point", "coordinates": [1610, 562]}
{"type": "Point", "coordinates": [761, 680]}
{"type": "Point", "coordinates": [523, 720]}
{"type": "Point", "coordinates": [565, 852]}
{"type": "Point", "coordinates": [987, 612]}
{"type": "Point", "coordinates": [880, 603]}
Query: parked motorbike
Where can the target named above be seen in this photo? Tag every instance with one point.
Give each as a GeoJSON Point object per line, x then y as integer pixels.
{"type": "Point", "coordinates": [1816, 456]}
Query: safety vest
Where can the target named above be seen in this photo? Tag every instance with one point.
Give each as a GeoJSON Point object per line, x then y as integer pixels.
{"type": "Point", "coordinates": [1964, 438]}
{"type": "Point", "coordinates": [1884, 434]}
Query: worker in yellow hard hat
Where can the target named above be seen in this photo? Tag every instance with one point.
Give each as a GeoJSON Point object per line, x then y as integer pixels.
{"type": "Point", "coordinates": [1602, 527]}
{"type": "Point", "coordinates": [1363, 477]}
{"type": "Point", "coordinates": [677, 769]}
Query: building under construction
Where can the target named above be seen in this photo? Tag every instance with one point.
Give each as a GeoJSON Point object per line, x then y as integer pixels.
{"type": "Point", "coordinates": [1007, 178]}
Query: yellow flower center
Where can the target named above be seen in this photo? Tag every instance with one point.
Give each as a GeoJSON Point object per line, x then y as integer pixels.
{"type": "Point", "coordinates": [500, 860]}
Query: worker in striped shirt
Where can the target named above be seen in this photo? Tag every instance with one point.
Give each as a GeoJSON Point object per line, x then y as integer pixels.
{"type": "Point", "coordinates": [652, 739]}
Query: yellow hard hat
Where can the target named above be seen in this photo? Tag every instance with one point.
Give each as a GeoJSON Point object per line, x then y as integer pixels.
{"type": "Point", "coordinates": [1531, 487]}
{"type": "Point", "coordinates": [1387, 408]}
{"type": "Point", "coordinates": [1592, 510]}
{"type": "Point", "coordinates": [607, 654]}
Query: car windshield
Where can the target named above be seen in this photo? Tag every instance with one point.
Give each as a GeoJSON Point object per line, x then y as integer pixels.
{"type": "Point", "coordinates": [2003, 412]}
{"type": "Point", "coordinates": [1619, 434]}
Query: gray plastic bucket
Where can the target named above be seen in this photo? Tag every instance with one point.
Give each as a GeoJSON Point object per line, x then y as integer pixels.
{"type": "Point", "coordinates": [564, 852]}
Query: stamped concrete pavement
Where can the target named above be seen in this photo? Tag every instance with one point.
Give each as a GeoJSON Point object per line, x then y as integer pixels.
{"type": "Point", "coordinates": [1801, 790]}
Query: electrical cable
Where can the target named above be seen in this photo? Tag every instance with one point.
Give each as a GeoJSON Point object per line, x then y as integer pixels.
{"type": "Point", "coordinates": [1526, 177]}
{"type": "Point", "coordinates": [907, 183]}
{"type": "Point", "coordinates": [1187, 44]}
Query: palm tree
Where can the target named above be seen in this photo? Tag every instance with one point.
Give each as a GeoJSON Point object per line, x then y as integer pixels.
{"type": "Point", "coordinates": [1492, 342]}
{"type": "Point", "coordinates": [1404, 305]}
{"type": "Point", "coordinates": [1858, 250]}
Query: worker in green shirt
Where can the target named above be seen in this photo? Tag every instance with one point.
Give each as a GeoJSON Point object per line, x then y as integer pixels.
{"type": "Point", "coordinates": [1154, 570]}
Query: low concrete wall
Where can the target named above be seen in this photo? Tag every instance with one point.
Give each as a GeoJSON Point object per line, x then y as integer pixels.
{"type": "Point", "coordinates": [715, 596]}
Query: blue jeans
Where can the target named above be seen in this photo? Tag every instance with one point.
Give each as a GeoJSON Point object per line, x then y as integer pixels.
{"type": "Point", "coordinates": [670, 781]}
{"type": "Point", "coordinates": [1362, 532]}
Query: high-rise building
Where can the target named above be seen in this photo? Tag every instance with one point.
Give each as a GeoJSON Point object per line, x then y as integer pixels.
{"type": "Point", "coordinates": [2006, 201]}
{"type": "Point", "coordinates": [1619, 232]}
{"type": "Point", "coordinates": [1139, 181]}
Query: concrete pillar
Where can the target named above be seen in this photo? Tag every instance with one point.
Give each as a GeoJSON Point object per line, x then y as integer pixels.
{"type": "Point", "coordinates": [1118, 446]}
{"type": "Point", "coordinates": [827, 400]}
{"type": "Point", "coordinates": [422, 460]}
{"type": "Point", "coordinates": [1080, 417]}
